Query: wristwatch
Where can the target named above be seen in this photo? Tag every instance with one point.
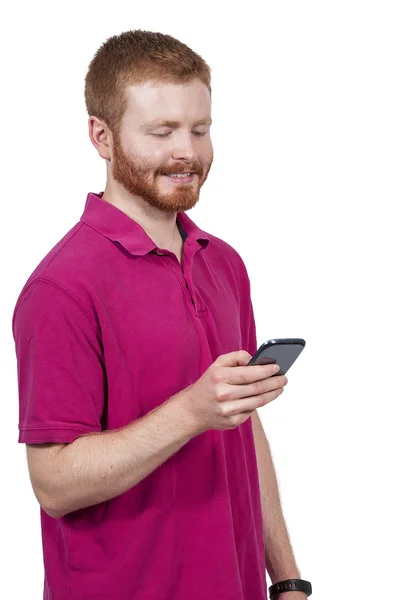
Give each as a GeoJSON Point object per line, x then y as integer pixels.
{"type": "Point", "coordinates": [289, 585]}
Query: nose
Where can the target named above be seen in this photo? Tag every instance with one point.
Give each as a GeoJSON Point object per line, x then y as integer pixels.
{"type": "Point", "coordinates": [183, 146]}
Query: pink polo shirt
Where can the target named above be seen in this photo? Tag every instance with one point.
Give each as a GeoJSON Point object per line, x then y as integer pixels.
{"type": "Point", "coordinates": [106, 328]}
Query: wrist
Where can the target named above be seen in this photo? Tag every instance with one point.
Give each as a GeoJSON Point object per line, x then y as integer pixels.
{"type": "Point", "coordinates": [290, 589]}
{"type": "Point", "coordinates": [291, 596]}
{"type": "Point", "coordinates": [186, 418]}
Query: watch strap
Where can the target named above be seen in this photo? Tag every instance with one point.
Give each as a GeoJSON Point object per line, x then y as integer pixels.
{"type": "Point", "coordinates": [290, 585]}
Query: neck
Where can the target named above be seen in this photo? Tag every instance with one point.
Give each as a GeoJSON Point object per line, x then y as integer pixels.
{"type": "Point", "coordinates": [159, 225]}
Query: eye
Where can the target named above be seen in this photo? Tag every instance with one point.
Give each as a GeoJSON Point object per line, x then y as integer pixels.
{"type": "Point", "coordinates": [163, 135]}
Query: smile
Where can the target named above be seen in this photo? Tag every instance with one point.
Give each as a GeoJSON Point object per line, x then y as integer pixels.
{"type": "Point", "coordinates": [181, 178]}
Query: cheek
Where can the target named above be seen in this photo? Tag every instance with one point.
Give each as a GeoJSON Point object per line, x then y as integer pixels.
{"type": "Point", "coordinates": [157, 157]}
{"type": "Point", "coordinates": [148, 154]}
{"type": "Point", "coordinates": [208, 150]}
{"type": "Point", "coordinates": [151, 160]}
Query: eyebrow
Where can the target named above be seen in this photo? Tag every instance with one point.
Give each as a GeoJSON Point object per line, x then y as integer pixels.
{"type": "Point", "coordinates": [174, 124]}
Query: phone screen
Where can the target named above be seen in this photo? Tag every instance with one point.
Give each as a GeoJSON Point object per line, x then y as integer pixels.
{"type": "Point", "coordinates": [283, 352]}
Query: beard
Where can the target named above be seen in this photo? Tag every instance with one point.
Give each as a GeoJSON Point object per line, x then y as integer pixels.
{"type": "Point", "coordinates": [140, 178]}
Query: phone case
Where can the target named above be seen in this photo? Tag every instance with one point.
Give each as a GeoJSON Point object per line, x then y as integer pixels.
{"type": "Point", "coordinates": [281, 351]}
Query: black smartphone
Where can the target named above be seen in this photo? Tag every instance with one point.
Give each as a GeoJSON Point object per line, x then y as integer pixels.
{"type": "Point", "coordinates": [282, 352]}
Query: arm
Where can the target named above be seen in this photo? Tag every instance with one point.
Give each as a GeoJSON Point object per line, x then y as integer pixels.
{"type": "Point", "coordinates": [98, 466]}
{"type": "Point", "coordinates": [61, 381]}
{"type": "Point", "coordinates": [279, 555]}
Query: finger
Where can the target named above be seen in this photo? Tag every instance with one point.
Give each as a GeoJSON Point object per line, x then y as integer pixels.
{"type": "Point", "coordinates": [234, 359]}
{"type": "Point", "coordinates": [245, 375]}
{"type": "Point", "coordinates": [235, 392]}
{"type": "Point", "coordinates": [251, 403]}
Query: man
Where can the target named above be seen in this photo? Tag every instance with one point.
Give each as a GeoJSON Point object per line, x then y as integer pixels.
{"type": "Point", "coordinates": [132, 337]}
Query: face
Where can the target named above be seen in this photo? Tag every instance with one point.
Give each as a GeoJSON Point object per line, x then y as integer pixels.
{"type": "Point", "coordinates": [165, 130]}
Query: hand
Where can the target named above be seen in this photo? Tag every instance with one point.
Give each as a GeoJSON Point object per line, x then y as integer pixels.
{"type": "Point", "coordinates": [228, 392]}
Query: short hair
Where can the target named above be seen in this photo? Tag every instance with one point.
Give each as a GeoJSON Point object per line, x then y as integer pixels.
{"type": "Point", "coordinates": [132, 58]}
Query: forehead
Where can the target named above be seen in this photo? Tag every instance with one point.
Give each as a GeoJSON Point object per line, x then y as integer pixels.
{"type": "Point", "coordinates": [172, 101]}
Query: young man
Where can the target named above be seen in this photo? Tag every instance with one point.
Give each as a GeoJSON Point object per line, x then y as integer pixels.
{"type": "Point", "coordinates": [132, 337]}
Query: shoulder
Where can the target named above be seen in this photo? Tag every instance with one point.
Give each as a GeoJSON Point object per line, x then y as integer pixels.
{"type": "Point", "coordinates": [228, 257]}
{"type": "Point", "coordinates": [76, 252]}
{"type": "Point", "coordinates": [63, 275]}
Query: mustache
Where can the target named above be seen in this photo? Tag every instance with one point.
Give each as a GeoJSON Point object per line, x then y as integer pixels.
{"type": "Point", "coordinates": [182, 169]}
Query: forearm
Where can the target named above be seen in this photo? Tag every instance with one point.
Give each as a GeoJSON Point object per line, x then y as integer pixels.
{"type": "Point", "coordinates": [279, 556]}
{"type": "Point", "coordinates": [99, 466]}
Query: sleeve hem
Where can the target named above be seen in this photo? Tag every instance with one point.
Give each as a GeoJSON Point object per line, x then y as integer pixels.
{"type": "Point", "coordinates": [44, 435]}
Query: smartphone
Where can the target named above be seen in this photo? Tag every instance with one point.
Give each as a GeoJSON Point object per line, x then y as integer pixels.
{"type": "Point", "coordinates": [282, 352]}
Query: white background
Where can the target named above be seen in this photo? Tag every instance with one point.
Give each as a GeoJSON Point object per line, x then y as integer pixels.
{"type": "Point", "coordinates": [303, 186]}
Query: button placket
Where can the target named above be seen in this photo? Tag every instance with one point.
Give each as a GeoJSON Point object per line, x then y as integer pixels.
{"type": "Point", "coordinates": [197, 305]}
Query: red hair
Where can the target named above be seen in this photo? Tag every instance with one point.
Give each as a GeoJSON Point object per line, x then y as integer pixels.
{"type": "Point", "coordinates": [134, 57]}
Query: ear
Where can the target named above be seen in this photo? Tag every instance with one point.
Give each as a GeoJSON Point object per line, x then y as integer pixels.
{"type": "Point", "coordinates": [100, 136]}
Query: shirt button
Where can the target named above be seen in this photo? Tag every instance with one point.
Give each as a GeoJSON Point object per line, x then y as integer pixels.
{"type": "Point", "coordinates": [160, 253]}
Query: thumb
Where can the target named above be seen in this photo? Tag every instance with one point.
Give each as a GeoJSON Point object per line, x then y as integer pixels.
{"type": "Point", "coordinates": [234, 359]}
{"type": "Point", "coordinates": [243, 358]}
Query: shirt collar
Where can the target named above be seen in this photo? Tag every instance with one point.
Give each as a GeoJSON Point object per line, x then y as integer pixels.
{"type": "Point", "coordinates": [114, 224]}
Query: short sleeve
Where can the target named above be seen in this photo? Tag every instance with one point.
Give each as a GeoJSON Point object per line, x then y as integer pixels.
{"type": "Point", "coordinates": [61, 371]}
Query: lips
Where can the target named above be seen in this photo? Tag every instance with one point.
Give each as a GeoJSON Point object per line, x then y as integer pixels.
{"type": "Point", "coordinates": [182, 173]}
{"type": "Point", "coordinates": [182, 178]}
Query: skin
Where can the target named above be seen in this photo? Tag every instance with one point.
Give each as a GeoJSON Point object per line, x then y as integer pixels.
{"type": "Point", "coordinates": [97, 467]}
{"type": "Point", "coordinates": [137, 159]}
